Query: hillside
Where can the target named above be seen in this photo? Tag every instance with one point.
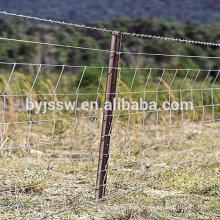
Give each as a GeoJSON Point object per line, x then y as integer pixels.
{"type": "Point", "coordinates": [85, 11]}
{"type": "Point", "coordinates": [67, 35]}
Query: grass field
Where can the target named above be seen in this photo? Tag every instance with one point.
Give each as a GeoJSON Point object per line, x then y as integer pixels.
{"type": "Point", "coordinates": [175, 176]}
{"type": "Point", "coordinates": [162, 165]}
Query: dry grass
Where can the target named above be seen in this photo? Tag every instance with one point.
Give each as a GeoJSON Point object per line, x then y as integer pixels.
{"type": "Point", "coordinates": [165, 170]}
{"type": "Point", "coordinates": [179, 173]}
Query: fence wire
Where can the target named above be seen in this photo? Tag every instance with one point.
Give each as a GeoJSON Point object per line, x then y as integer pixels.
{"type": "Point", "coordinates": [49, 158]}
{"type": "Point", "coordinates": [148, 36]}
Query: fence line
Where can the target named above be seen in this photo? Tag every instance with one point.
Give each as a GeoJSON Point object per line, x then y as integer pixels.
{"type": "Point", "coordinates": [107, 51]}
{"type": "Point", "coordinates": [51, 44]}
{"type": "Point", "coordinates": [56, 154]}
{"type": "Point", "coordinates": [110, 31]}
{"type": "Point", "coordinates": [105, 67]}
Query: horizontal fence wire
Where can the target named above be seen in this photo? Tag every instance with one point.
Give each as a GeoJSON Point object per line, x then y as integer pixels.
{"type": "Point", "coordinates": [190, 83]}
{"type": "Point", "coordinates": [108, 51]}
{"type": "Point", "coordinates": [110, 31]}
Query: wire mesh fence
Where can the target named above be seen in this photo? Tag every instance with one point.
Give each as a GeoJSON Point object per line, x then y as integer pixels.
{"type": "Point", "coordinates": [39, 149]}
{"type": "Point", "coordinates": [49, 156]}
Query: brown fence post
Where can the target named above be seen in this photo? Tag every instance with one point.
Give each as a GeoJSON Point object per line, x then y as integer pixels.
{"type": "Point", "coordinates": [108, 115]}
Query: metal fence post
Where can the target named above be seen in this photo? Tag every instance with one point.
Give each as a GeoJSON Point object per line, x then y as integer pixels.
{"type": "Point", "coordinates": [108, 115]}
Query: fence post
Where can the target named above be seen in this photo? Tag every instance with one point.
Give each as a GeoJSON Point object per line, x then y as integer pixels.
{"type": "Point", "coordinates": [108, 115]}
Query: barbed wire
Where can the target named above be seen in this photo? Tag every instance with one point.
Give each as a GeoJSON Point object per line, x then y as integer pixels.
{"type": "Point", "coordinates": [204, 43]}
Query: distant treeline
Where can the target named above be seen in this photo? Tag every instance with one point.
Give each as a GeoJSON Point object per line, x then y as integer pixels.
{"type": "Point", "coordinates": [83, 11]}
{"type": "Point", "coordinates": [33, 53]}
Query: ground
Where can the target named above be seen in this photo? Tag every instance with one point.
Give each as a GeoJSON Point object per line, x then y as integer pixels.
{"type": "Point", "coordinates": [156, 171]}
